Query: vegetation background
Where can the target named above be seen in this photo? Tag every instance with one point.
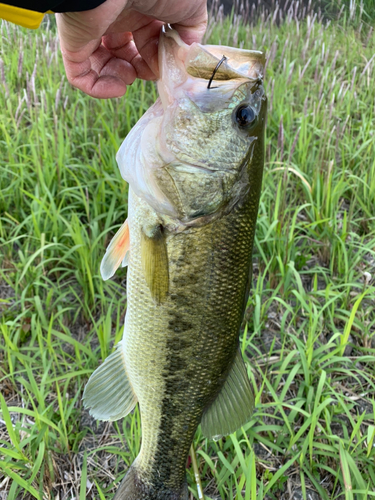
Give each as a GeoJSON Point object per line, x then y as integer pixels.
{"type": "Point", "coordinates": [309, 331]}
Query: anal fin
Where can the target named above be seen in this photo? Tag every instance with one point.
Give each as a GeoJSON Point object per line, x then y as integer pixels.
{"type": "Point", "coordinates": [108, 393]}
{"type": "Point", "coordinates": [155, 263]}
{"type": "Point", "coordinates": [233, 406]}
{"type": "Point", "coordinates": [117, 252]}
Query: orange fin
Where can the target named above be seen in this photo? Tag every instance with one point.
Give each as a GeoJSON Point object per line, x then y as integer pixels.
{"type": "Point", "coordinates": [116, 252]}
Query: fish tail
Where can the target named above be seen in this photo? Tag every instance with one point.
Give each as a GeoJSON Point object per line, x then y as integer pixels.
{"type": "Point", "coordinates": [133, 487]}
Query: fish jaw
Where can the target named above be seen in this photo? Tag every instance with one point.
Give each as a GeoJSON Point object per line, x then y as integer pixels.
{"type": "Point", "coordinates": [185, 66]}
{"type": "Point", "coordinates": [185, 156]}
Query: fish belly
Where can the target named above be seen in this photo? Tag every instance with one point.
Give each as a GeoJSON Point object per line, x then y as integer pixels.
{"type": "Point", "coordinates": [178, 354]}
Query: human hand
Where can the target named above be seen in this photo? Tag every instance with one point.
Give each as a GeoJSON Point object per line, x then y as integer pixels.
{"type": "Point", "coordinates": [107, 48]}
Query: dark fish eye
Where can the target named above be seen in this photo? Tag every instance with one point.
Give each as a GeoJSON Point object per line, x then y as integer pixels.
{"type": "Point", "coordinates": [245, 116]}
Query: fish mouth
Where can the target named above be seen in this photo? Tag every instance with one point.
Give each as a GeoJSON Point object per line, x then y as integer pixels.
{"type": "Point", "coordinates": [211, 68]}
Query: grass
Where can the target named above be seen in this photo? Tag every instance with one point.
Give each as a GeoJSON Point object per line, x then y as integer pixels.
{"type": "Point", "coordinates": [309, 329]}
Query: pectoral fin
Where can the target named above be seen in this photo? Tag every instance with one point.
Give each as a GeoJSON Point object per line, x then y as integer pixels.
{"type": "Point", "coordinates": [155, 263]}
{"type": "Point", "coordinates": [233, 406]}
{"type": "Point", "coordinates": [125, 261]}
{"type": "Point", "coordinates": [108, 393]}
{"type": "Point", "coordinates": [117, 252]}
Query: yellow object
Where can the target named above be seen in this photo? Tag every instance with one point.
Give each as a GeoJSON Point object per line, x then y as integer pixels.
{"type": "Point", "coordinates": [23, 17]}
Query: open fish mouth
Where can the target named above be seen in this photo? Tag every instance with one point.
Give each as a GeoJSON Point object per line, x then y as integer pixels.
{"type": "Point", "coordinates": [179, 61]}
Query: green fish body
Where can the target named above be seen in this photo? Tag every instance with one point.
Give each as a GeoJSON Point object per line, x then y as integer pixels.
{"type": "Point", "coordinates": [194, 164]}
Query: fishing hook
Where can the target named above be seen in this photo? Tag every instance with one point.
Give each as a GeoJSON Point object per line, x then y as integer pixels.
{"type": "Point", "coordinates": [215, 70]}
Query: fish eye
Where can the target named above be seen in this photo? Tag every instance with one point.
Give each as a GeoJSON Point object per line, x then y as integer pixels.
{"type": "Point", "coordinates": [245, 115]}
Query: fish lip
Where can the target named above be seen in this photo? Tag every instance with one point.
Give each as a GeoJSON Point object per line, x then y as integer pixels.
{"type": "Point", "coordinates": [180, 62]}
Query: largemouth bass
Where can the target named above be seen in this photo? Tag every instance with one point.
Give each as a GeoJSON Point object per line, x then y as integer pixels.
{"type": "Point", "coordinates": [194, 165]}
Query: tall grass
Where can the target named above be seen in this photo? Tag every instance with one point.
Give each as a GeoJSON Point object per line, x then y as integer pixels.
{"type": "Point", "coordinates": [308, 334]}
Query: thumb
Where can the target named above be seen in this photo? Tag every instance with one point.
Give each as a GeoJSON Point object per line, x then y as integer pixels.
{"type": "Point", "coordinates": [191, 34]}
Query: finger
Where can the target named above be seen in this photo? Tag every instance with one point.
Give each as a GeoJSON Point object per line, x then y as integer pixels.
{"type": "Point", "coordinates": [189, 17]}
{"type": "Point", "coordinates": [101, 75]}
{"type": "Point", "coordinates": [191, 34]}
{"type": "Point", "coordinates": [122, 46]}
{"type": "Point", "coordinates": [88, 64]}
{"type": "Point", "coordinates": [193, 29]}
{"type": "Point", "coordinates": [147, 41]}
{"type": "Point", "coordinates": [76, 29]}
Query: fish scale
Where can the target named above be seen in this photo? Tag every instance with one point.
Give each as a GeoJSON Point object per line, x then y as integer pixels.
{"type": "Point", "coordinates": [211, 264]}
{"type": "Point", "coordinates": [193, 202]}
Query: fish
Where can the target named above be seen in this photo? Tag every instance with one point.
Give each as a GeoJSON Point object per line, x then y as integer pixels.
{"type": "Point", "coordinates": [194, 165]}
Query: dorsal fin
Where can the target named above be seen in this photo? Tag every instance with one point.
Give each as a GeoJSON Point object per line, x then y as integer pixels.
{"type": "Point", "coordinates": [116, 252]}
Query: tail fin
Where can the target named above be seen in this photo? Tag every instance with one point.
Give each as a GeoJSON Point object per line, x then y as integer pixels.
{"type": "Point", "coordinates": [133, 488]}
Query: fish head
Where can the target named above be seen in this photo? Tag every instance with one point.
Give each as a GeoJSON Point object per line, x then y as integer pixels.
{"type": "Point", "coordinates": [199, 149]}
